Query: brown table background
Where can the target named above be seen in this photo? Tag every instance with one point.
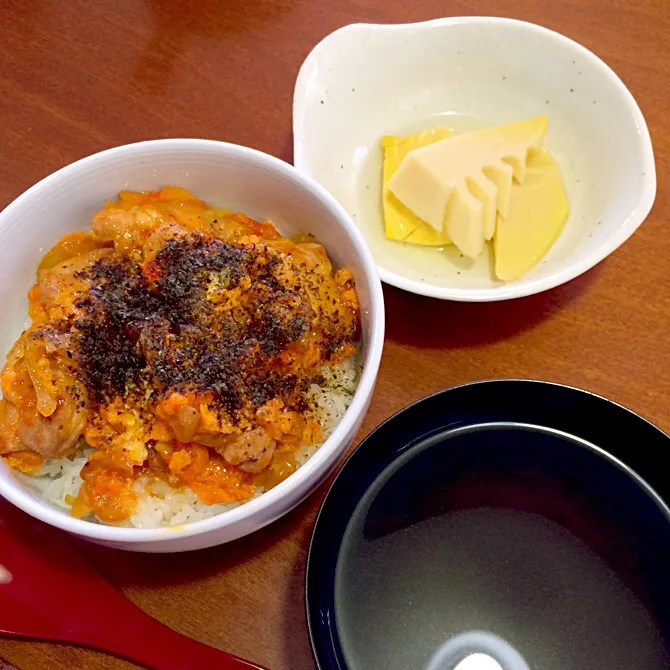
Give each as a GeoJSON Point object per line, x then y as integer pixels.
{"type": "Point", "coordinates": [80, 76]}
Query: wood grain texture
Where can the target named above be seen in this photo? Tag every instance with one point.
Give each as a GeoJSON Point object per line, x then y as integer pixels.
{"type": "Point", "coordinates": [77, 77]}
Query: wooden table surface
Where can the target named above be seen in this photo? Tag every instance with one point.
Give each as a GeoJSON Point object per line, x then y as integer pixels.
{"type": "Point", "coordinates": [79, 76]}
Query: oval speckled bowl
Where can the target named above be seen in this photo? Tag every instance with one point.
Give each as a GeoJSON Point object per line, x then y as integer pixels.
{"type": "Point", "coordinates": [364, 81]}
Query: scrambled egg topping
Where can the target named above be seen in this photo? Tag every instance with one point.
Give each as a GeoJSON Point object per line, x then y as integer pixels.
{"type": "Point", "coordinates": [180, 342]}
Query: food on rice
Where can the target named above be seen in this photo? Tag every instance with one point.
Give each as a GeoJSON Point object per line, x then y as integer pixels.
{"type": "Point", "coordinates": [181, 360]}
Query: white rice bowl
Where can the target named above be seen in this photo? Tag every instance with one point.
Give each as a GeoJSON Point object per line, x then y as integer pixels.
{"type": "Point", "coordinates": [244, 180]}
{"type": "Point", "coordinates": [159, 504]}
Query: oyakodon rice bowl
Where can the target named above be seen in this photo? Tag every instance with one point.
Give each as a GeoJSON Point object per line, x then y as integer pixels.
{"type": "Point", "coordinates": [181, 360]}
{"type": "Point", "coordinates": [159, 504]}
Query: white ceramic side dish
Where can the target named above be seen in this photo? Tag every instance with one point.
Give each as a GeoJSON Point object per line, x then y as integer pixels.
{"type": "Point", "coordinates": [225, 175]}
{"type": "Point", "coordinates": [365, 81]}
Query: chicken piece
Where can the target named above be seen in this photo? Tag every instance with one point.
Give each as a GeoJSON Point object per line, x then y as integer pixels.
{"type": "Point", "coordinates": [42, 373]}
{"type": "Point", "coordinates": [57, 435]}
{"type": "Point", "coordinates": [157, 240]}
{"type": "Point", "coordinates": [185, 423]}
{"type": "Point", "coordinates": [236, 227]}
{"type": "Point", "coordinates": [10, 421]}
{"type": "Point", "coordinates": [152, 338]}
{"type": "Point", "coordinates": [251, 451]}
{"type": "Point", "coordinates": [62, 285]}
{"type": "Point", "coordinates": [44, 406]}
{"type": "Point", "coordinates": [131, 221]}
{"type": "Point", "coordinates": [70, 246]}
{"type": "Point", "coordinates": [282, 322]}
{"type": "Point", "coordinates": [126, 228]}
{"type": "Point", "coordinates": [51, 437]}
{"type": "Point", "coordinates": [313, 255]}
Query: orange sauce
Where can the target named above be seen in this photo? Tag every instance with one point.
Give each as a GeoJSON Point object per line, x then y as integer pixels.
{"type": "Point", "coordinates": [178, 435]}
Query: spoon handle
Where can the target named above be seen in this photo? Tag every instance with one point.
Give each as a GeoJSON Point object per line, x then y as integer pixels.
{"type": "Point", "coordinates": [48, 591]}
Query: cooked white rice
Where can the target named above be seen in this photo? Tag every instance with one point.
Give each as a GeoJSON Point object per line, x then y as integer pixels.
{"type": "Point", "coordinates": [158, 504]}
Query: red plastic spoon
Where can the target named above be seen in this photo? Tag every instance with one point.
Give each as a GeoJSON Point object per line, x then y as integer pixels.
{"type": "Point", "coordinates": [49, 591]}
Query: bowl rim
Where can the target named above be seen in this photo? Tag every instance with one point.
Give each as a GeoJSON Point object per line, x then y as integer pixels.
{"type": "Point", "coordinates": [630, 471]}
{"type": "Point", "coordinates": [306, 477]}
{"type": "Point", "coordinates": [523, 288]}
